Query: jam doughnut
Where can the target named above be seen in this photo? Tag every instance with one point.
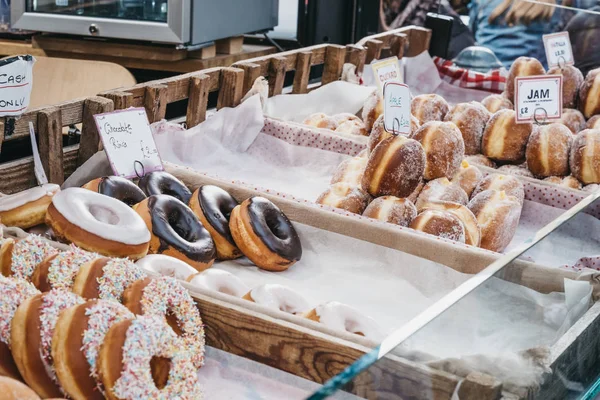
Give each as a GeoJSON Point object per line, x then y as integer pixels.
{"type": "Point", "coordinates": [429, 107]}
{"type": "Point", "coordinates": [441, 189]}
{"type": "Point", "coordinates": [78, 336]}
{"type": "Point", "coordinates": [480, 159]}
{"type": "Point", "coordinates": [573, 119]}
{"type": "Point", "coordinates": [509, 184]}
{"type": "Point", "coordinates": [31, 336]}
{"type": "Point", "coordinates": [278, 297]}
{"type": "Point", "coordinates": [504, 139]}
{"type": "Point", "coordinates": [166, 266]}
{"type": "Point", "coordinates": [472, 231]}
{"type": "Point", "coordinates": [166, 298]}
{"type": "Point", "coordinates": [566, 181]}
{"type": "Point", "coordinates": [58, 271]}
{"type": "Point", "coordinates": [372, 109]}
{"type": "Point", "coordinates": [585, 156]}
{"type": "Point", "coordinates": [320, 120]}
{"type": "Point", "coordinates": [350, 171]}
{"type": "Point", "coordinates": [265, 235]}
{"type": "Point", "coordinates": [589, 94]}
{"type": "Point", "coordinates": [12, 389]}
{"type": "Point", "coordinates": [444, 147]}
{"type": "Point", "coordinates": [161, 182]}
{"type": "Point", "coordinates": [98, 223]}
{"type": "Point", "coordinates": [593, 123]}
{"type": "Point", "coordinates": [27, 208]}
{"type": "Point", "coordinates": [392, 209]}
{"type": "Point", "coordinates": [496, 102]}
{"type": "Point", "coordinates": [176, 231]}
{"type": "Point", "coordinates": [378, 133]}
{"type": "Point", "coordinates": [548, 151]}
{"type": "Point", "coordinates": [572, 80]}
{"type": "Point", "coordinates": [467, 177]}
{"type": "Point", "coordinates": [118, 188]}
{"type": "Point", "coordinates": [20, 257]}
{"type": "Point", "coordinates": [471, 119]}
{"type": "Point", "coordinates": [14, 292]}
{"type": "Point", "coordinates": [213, 205]}
{"type": "Point", "coordinates": [341, 317]}
{"type": "Point", "coordinates": [345, 196]}
{"type": "Point", "coordinates": [143, 358]}
{"type": "Point", "coordinates": [395, 168]}
{"type": "Point", "coordinates": [517, 170]}
{"type": "Point", "coordinates": [522, 66]}
{"type": "Point", "coordinates": [440, 223]}
{"type": "Point", "coordinates": [220, 281]}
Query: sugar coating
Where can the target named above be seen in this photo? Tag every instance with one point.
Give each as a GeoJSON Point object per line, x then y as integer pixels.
{"type": "Point", "coordinates": [345, 196]}
{"type": "Point", "coordinates": [116, 276]}
{"type": "Point", "coordinates": [64, 267]}
{"type": "Point", "coordinates": [345, 117]}
{"type": "Point", "coordinates": [27, 253]}
{"type": "Point", "coordinates": [480, 159]}
{"type": "Point", "coordinates": [566, 181]}
{"type": "Point", "coordinates": [572, 80]}
{"type": "Point", "coordinates": [496, 102]}
{"type": "Point", "coordinates": [441, 189]}
{"type": "Point", "coordinates": [444, 147]}
{"type": "Point", "coordinates": [593, 123]}
{"type": "Point", "coordinates": [468, 177]}
{"type": "Point", "coordinates": [429, 107]}
{"type": "Point", "coordinates": [19, 199]}
{"type": "Point", "coordinates": [548, 150]}
{"type": "Point", "coordinates": [341, 317]}
{"type": "Point", "coordinates": [472, 231]}
{"type": "Point", "coordinates": [372, 109]}
{"type": "Point", "coordinates": [522, 66]}
{"type": "Point", "coordinates": [321, 120]}
{"type": "Point", "coordinates": [573, 119]}
{"type": "Point", "coordinates": [350, 171]}
{"type": "Point", "coordinates": [506, 183]}
{"type": "Point", "coordinates": [589, 91]}
{"type": "Point", "coordinates": [352, 127]}
{"type": "Point", "coordinates": [505, 140]}
{"type": "Point", "coordinates": [471, 119]}
{"type": "Point", "coordinates": [14, 292]}
{"type": "Point", "coordinates": [515, 170]}
{"type": "Point", "coordinates": [220, 281]}
{"type": "Point", "coordinates": [392, 209]}
{"type": "Point", "coordinates": [585, 156]}
{"type": "Point", "coordinates": [279, 297]}
{"type": "Point", "coordinates": [440, 223]}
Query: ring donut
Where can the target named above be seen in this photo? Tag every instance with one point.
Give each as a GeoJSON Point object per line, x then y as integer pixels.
{"type": "Point", "coordinates": [161, 182]}
{"type": "Point", "coordinates": [220, 281]}
{"type": "Point", "coordinates": [58, 271]}
{"type": "Point", "coordinates": [278, 297]}
{"type": "Point", "coordinates": [27, 208]}
{"type": "Point", "coordinates": [166, 266]}
{"type": "Point", "coordinates": [20, 257]}
{"type": "Point", "coordinates": [341, 317]}
{"type": "Point", "coordinates": [118, 188]}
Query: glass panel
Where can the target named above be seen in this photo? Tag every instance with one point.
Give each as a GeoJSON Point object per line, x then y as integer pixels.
{"type": "Point", "coordinates": [140, 10]}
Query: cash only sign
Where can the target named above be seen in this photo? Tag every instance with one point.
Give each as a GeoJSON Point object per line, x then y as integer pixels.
{"type": "Point", "coordinates": [16, 81]}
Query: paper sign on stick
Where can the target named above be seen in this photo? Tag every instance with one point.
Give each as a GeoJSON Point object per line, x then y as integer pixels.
{"type": "Point", "coordinates": [386, 70]}
{"type": "Point", "coordinates": [16, 79]}
{"type": "Point", "coordinates": [558, 49]}
{"type": "Point", "coordinates": [396, 108]}
{"type": "Point", "coordinates": [538, 98]}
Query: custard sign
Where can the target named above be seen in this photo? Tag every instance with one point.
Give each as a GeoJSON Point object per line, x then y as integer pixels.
{"type": "Point", "coordinates": [16, 79]}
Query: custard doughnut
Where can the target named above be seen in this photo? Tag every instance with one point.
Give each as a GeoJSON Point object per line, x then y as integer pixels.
{"type": "Point", "coordinates": [480, 159]}
{"type": "Point", "coordinates": [392, 209]}
{"type": "Point", "coordinates": [166, 266]}
{"type": "Point", "coordinates": [20, 257]}
{"type": "Point", "coordinates": [213, 205]}
{"type": "Point", "coordinates": [31, 336]}
{"type": "Point", "coordinates": [585, 156]}
{"type": "Point", "coordinates": [350, 171]}
{"type": "Point", "coordinates": [395, 168]}
{"type": "Point", "coordinates": [14, 292]}
{"type": "Point", "coordinates": [143, 358]}
{"type": "Point", "coordinates": [467, 177]}
{"type": "Point", "coordinates": [78, 336]}
{"type": "Point", "coordinates": [265, 235]}
{"type": "Point", "coordinates": [278, 297]}
{"type": "Point", "coordinates": [498, 216]}
{"type": "Point", "coordinates": [504, 139]}
{"type": "Point", "coordinates": [58, 271]}
{"type": "Point", "coordinates": [176, 231]}
{"type": "Point", "coordinates": [496, 102]}
{"type": "Point", "coordinates": [98, 223]}
{"type": "Point", "coordinates": [161, 182]}
{"type": "Point", "coordinates": [164, 297]}
{"type": "Point", "coordinates": [106, 278]}
{"type": "Point", "coordinates": [27, 208]}
{"type": "Point", "coordinates": [472, 231]}
{"type": "Point", "coordinates": [566, 181]}
{"type": "Point", "coordinates": [320, 120]}
{"type": "Point", "coordinates": [548, 151]}
{"type": "Point", "coordinates": [517, 170]}
{"type": "Point", "coordinates": [341, 317]}
{"type": "Point", "coordinates": [444, 147]}
{"type": "Point", "coordinates": [522, 66]}
{"type": "Point", "coordinates": [372, 109]}
{"type": "Point", "coordinates": [572, 80]}
{"type": "Point", "coordinates": [573, 119]}
{"type": "Point", "coordinates": [506, 183]}
{"type": "Point", "coordinates": [593, 123]}
{"type": "Point", "coordinates": [220, 281]}
{"type": "Point", "coordinates": [346, 197]}
{"type": "Point", "coordinates": [589, 94]}
{"type": "Point", "coordinates": [471, 119]}
{"type": "Point", "coordinates": [441, 189]}
{"type": "Point", "coordinates": [12, 389]}
{"type": "Point", "coordinates": [440, 223]}
{"type": "Point", "coordinates": [429, 107]}
{"type": "Point", "coordinates": [118, 188]}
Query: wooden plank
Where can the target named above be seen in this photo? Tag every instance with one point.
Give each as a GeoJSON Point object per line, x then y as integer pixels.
{"type": "Point", "coordinates": [230, 93]}
{"type": "Point", "coordinates": [277, 70]}
{"type": "Point", "coordinates": [251, 73]}
{"type": "Point", "coordinates": [204, 53]}
{"type": "Point", "coordinates": [121, 100]}
{"type": "Point", "coordinates": [480, 386]}
{"type": "Point", "coordinates": [374, 47]}
{"type": "Point", "coordinates": [398, 45]}
{"type": "Point", "coordinates": [334, 63]}
{"type": "Point", "coordinates": [197, 100]}
{"type": "Point", "coordinates": [2, 125]}
{"type": "Point", "coordinates": [90, 138]}
{"type": "Point", "coordinates": [302, 74]}
{"type": "Point", "coordinates": [318, 57]}
{"type": "Point", "coordinates": [356, 55]}
{"type": "Point", "coordinates": [418, 40]}
{"type": "Point", "coordinates": [155, 102]}
{"type": "Point", "coordinates": [231, 45]}
{"type": "Point", "coordinates": [13, 47]}
{"type": "Point", "coordinates": [50, 144]}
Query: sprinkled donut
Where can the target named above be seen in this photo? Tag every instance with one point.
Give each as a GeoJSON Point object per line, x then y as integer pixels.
{"type": "Point", "coordinates": [27, 208]}
{"type": "Point", "coordinates": [341, 317]}
{"type": "Point", "coordinates": [166, 266]}
{"type": "Point", "coordinates": [118, 188]}
{"type": "Point", "coordinates": [278, 297]}
{"type": "Point", "coordinates": [59, 271]}
{"type": "Point", "coordinates": [220, 281]}
{"type": "Point", "coordinates": [161, 182]}
{"type": "Point", "coordinates": [20, 257]}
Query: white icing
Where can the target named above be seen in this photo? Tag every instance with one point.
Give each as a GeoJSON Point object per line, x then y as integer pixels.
{"type": "Point", "coordinates": [341, 317]}
{"type": "Point", "coordinates": [220, 281]}
{"type": "Point", "coordinates": [167, 266]}
{"type": "Point", "coordinates": [101, 215]}
{"type": "Point", "coordinates": [279, 297]}
{"type": "Point", "coordinates": [13, 201]}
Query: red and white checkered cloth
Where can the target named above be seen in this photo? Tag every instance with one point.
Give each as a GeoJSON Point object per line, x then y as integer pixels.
{"type": "Point", "coordinates": [493, 81]}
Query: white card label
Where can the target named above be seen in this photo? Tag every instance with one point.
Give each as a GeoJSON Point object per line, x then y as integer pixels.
{"type": "Point", "coordinates": [16, 79]}
{"type": "Point", "coordinates": [558, 49]}
{"type": "Point", "coordinates": [386, 70]}
{"type": "Point", "coordinates": [128, 142]}
{"type": "Point", "coordinates": [396, 111]}
{"type": "Point", "coordinates": [539, 97]}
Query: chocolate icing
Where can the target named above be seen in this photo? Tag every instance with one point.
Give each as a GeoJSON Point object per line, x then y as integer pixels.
{"type": "Point", "coordinates": [161, 182]}
{"type": "Point", "coordinates": [121, 189]}
{"type": "Point", "coordinates": [274, 229]}
{"type": "Point", "coordinates": [176, 225]}
{"type": "Point", "coordinates": [216, 205]}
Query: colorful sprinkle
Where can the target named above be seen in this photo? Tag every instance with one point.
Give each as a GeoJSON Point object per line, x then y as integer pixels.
{"type": "Point", "coordinates": [27, 253]}
{"type": "Point", "coordinates": [117, 275]}
{"type": "Point", "coordinates": [13, 292]}
{"type": "Point", "coordinates": [64, 267]}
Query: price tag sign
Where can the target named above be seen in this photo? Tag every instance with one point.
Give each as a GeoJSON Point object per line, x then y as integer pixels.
{"type": "Point", "coordinates": [396, 111]}
{"type": "Point", "coordinates": [128, 142]}
{"type": "Point", "coordinates": [558, 49]}
{"type": "Point", "coordinates": [16, 80]}
{"type": "Point", "coordinates": [538, 98]}
{"type": "Point", "coordinates": [386, 71]}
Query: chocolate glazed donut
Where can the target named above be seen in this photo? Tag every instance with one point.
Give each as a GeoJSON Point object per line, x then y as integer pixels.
{"type": "Point", "coordinates": [161, 182]}
{"type": "Point", "coordinates": [119, 188]}
{"type": "Point", "coordinates": [176, 231]}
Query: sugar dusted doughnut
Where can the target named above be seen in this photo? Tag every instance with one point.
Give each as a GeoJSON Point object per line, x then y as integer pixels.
{"type": "Point", "coordinates": [350, 171]}
{"type": "Point", "coordinates": [496, 102]}
{"type": "Point", "coordinates": [517, 170]}
{"type": "Point", "coordinates": [566, 181]}
{"type": "Point", "coordinates": [572, 80]}
{"type": "Point", "coordinates": [585, 156]}
{"type": "Point", "coordinates": [395, 168]}
{"type": "Point", "coordinates": [27, 208]}
{"type": "Point", "coordinates": [589, 94]}
{"type": "Point", "coordinates": [429, 107]}
{"type": "Point", "coordinates": [58, 271]}
{"type": "Point", "coordinates": [467, 177]}
{"type": "Point", "coordinates": [392, 209]}
{"type": "Point", "coordinates": [372, 109]}
{"type": "Point", "coordinates": [345, 196]}
{"type": "Point", "coordinates": [593, 123]}
{"type": "Point", "coordinates": [472, 230]}
{"type": "Point", "coordinates": [506, 183]}
{"type": "Point", "coordinates": [480, 159]}
{"type": "Point", "coordinates": [504, 139]}
{"type": "Point", "coordinates": [522, 66]}
{"type": "Point", "coordinates": [12, 389]}
{"type": "Point", "coordinates": [471, 119]}
{"type": "Point", "coordinates": [440, 223]}
{"type": "Point", "coordinates": [118, 188]}
{"type": "Point", "coordinates": [161, 182]}
{"type": "Point", "coordinates": [350, 123]}
{"type": "Point", "coordinates": [219, 281]}
{"type": "Point", "coordinates": [441, 189]}
{"type": "Point", "coordinates": [278, 297]}
{"type": "Point", "coordinates": [166, 266]}
{"type": "Point", "coordinates": [444, 147]}
{"type": "Point", "coordinates": [341, 317]}
{"type": "Point", "coordinates": [20, 257]}
{"type": "Point", "coordinates": [415, 194]}
{"type": "Point", "coordinates": [378, 133]}
{"type": "Point", "coordinates": [320, 120]}
{"type": "Point", "coordinates": [573, 119]}
{"type": "Point", "coordinates": [548, 151]}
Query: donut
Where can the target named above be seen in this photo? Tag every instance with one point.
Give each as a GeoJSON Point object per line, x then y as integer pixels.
{"type": "Point", "coordinates": [506, 183]}
{"type": "Point", "coordinates": [573, 119]}
{"type": "Point", "coordinates": [372, 109]}
{"type": "Point", "coordinates": [517, 170]}
{"type": "Point", "coordinates": [12, 389]}
{"type": "Point", "coordinates": [58, 271]}
{"type": "Point", "coordinates": [78, 336]}
{"type": "Point", "coordinates": [441, 189]}
{"type": "Point", "coordinates": [467, 177]}
{"type": "Point", "coordinates": [278, 297]}
{"type": "Point", "coordinates": [496, 102]}
{"type": "Point", "coordinates": [346, 197]}
{"type": "Point", "coordinates": [14, 292]}
{"type": "Point", "coordinates": [415, 194]}
{"type": "Point", "coordinates": [213, 205]}
{"type": "Point", "coordinates": [548, 151]}
{"type": "Point", "coordinates": [395, 168]}
{"type": "Point", "coordinates": [20, 257]}
{"type": "Point", "coordinates": [592, 187]}
{"type": "Point", "coordinates": [585, 156]}
{"type": "Point", "coordinates": [378, 133]}
{"type": "Point", "coordinates": [345, 117]}
{"type": "Point", "coordinates": [593, 123]}
{"type": "Point", "coordinates": [106, 278]}
{"type": "Point", "coordinates": [504, 139]}
{"type": "Point", "coordinates": [522, 66]}
{"type": "Point", "coordinates": [143, 358]}
{"type": "Point", "coordinates": [350, 171]}
{"type": "Point", "coordinates": [161, 182]}
{"type": "Point", "coordinates": [217, 280]}
{"type": "Point", "coordinates": [444, 147]}
{"type": "Point", "coordinates": [352, 127]}
{"type": "Point", "coordinates": [572, 80]}
{"type": "Point", "coordinates": [440, 223]}
{"type": "Point", "coordinates": [31, 336]}
{"type": "Point", "coordinates": [176, 231]}
{"type": "Point", "coordinates": [343, 318]}
{"type": "Point", "coordinates": [564, 181]}
{"type": "Point", "coordinates": [118, 188]}
{"type": "Point", "coordinates": [392, 209]}
{"type": "Point", "coordinates": [98, 223]}
{"type": "Point", "coordinates": [320, 120]}
{"type": "Point", "coordinates": [429, 107]}
{"type": "Point", "coordinates": [364, 153]}
{"type": "Point", "coordinates": [166, 266]}
{"type": "Point", "coordinates": [166, 298]}
{"type": "Point", "coordinates": [265, 235]}
{"type": "Point", "coordinates": [27, 208]}
{"type": "Point", "coordinates": [466, 217]}
{"type": "Point", "coordinates": [480, 159]}
{"type": "Point", "coordinates": [471, 119]}
{"type": "Point", "coordinates": [498, 216]}
{"type": "Point", "coordinates": [589, 94]}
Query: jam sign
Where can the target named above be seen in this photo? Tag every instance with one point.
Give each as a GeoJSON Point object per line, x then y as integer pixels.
{"type": "Point", "coordinates": [558, 49]}
{"type": "Point", "coordinates": [16, 78]}
{"type": "Point", "coordinates": [538, 98]}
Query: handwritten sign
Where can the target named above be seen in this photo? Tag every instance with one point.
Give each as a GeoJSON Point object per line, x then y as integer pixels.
{"type": "Point", "coordinates": [16, 79]}
{"type": "Point", "coordinates": [558, 49]}
{"type": "Point", "coordinates": [128, 142]}
{"type": "Point", "coordinates": [386, 70]}
{"type": "Point", "coordinates": [396, 108]}
{"type": "Point", "coordinates": [538, 98]}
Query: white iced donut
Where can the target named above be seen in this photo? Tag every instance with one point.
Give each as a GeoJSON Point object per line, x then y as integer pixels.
{"type": "Point", "coordinates": [341, 317]}
{"type": "Point", "coordinates": [27, 208]}
{"type": "Point", "coordinates": [220, 281]}
{"type": "Point", "coordinates": [167, 266]}
{"type": "Point", "coordinates": [278, 297]}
